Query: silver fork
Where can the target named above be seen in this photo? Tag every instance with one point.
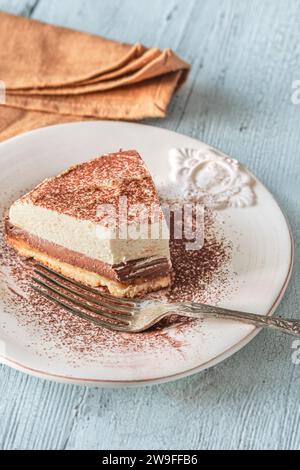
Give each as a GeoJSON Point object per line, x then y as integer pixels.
{"type": "Point", "coordinates": [135, 315]}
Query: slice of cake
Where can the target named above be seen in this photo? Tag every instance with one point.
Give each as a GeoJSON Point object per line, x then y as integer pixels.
{"type": "Point", "coordinates": [100, 223]}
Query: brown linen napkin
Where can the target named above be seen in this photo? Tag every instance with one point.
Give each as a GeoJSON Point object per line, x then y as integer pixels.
{"type": "Point", "coordinates": [73, 75]}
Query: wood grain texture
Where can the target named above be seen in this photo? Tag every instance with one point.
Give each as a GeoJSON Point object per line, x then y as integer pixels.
{"type": "Point", "coordinates": [245, 56]}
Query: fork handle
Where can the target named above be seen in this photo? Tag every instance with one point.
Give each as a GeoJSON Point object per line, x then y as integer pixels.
{"type": "Point", "coordinates": [201, 311]}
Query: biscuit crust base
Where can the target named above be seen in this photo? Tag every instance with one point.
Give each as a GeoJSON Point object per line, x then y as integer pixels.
{"type": "Point", "coordinates": [89, 278]}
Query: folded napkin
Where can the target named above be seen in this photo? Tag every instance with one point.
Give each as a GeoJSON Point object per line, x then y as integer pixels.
{"type": "Point", "coordinates": [73, 75]}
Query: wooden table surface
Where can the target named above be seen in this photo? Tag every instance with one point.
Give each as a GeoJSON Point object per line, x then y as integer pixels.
{"type": "Point", "coordinates": [245, 56]}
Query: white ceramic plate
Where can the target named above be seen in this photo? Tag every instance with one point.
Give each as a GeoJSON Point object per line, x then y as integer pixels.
{"type": "Point", "coordinates": [257, 274]}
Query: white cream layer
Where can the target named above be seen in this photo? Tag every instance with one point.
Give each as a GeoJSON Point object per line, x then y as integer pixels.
{"type": "Point", "coordinates": [86, 237]}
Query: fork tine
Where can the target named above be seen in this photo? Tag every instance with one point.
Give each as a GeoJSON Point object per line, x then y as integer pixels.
{"type": "Point", "coordinates": [80, 314]}
{"type": "Point", "coordinates": [117, 300]}
{"type": "Point", "coordinates": [124, 311]}
{"type": "Point", "coordinates": [81, 304]}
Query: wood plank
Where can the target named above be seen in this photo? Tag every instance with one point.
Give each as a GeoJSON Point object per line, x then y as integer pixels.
{"type": "Point", "coordinates": [24, 8]}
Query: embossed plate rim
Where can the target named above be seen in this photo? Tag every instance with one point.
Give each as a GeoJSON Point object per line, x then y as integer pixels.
{"type": "Point", "coordinates": [138, 130]}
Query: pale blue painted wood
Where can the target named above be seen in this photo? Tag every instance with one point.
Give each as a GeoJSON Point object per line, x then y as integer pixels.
{"type": "Point", "coordinates": [245, 56]}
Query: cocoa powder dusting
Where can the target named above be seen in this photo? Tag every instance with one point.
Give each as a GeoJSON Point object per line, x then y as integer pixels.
{"type": "Point", "coordinates": [196, 270]}
{"type": "Point", "coordinates": [82, 189]}
{"type": "Point", "coordinates": [201, 276]}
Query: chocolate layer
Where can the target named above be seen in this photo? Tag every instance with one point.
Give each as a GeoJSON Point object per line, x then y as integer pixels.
{"type": "Point", "coordinates": [144, 268]}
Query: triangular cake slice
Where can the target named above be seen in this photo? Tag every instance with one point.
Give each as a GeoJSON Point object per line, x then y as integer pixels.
{"type": "Point", "coordinates": [100, 223]}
